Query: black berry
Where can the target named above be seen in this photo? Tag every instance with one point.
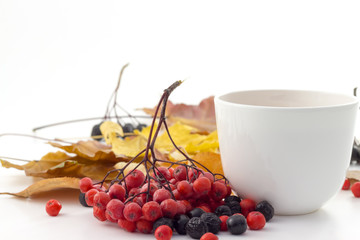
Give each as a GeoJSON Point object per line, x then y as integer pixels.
{"type": "Point", "coordinates": [236, 224]}
{"type": "Point", "coordinates": [82, 199]}
{"type": "Point", "coordinates": [96, 131]}
{"type": "Point", "coordinates": [196, 212]}
{"type": "Point", "coordinates": [140, 126]}
{"type": "Point", "coordinates": [234, 207]}
{"type": "Point", "coordinates": [196, 227]}
{"type": "Point", "coordinates": [163, 221]}
{"type": "Point", "coordinates": [223, 210]}
{"type": "Point", "coordinates": [212, 221]}
{"type": "Point", "coordinates": [128, 128]}
{"type": "Point", "coordinates": [232, 198]}
{"type": "Point", "coordinates": [266, 209]}
{"type": "Point", "coordinates": [180, 224]}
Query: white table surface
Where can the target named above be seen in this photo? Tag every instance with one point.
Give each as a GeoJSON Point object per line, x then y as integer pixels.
{"type": "Point", "coordinates": [27, 219]}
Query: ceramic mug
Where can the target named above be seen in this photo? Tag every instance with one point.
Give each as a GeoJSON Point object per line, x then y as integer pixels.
{"type": "Point", "coordinates": [289, 147]}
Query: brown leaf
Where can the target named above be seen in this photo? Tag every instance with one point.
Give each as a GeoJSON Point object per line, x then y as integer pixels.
{"type": "Point", "coordinates": [353, 176]}
{"type": "Point", "coordinates": [201, 116]}
{"type": "Point", "coordinates": [47, 185]}
{"type": "Point", "coordinates": [91, 150]}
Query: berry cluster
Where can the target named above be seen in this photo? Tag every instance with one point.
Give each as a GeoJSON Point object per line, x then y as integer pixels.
{"type": "Point", "coordinates": [196, 203]}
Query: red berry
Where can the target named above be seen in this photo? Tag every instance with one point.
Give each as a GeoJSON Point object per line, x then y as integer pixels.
{"type": "Point", "coordinates": [204, 207]}
{"type": "Point", "coordinates": [163, 232]}
{"type": "Point", "coordinates": [99, 213]}
{"type": "Point", "coordinates": [117, 191]}
{"type": "Point", "coordinates": [53, 207]}
{"type": "Point", "coordinates": [171, 171]}
{"type": "Point", "coordinates": [115, 209]}
{"type": "Point", "coordinates": [187, 205]}
{"type": "Point", "coordinates": [133, 192]}
{"type": "Point", "coordinates": [346, 185]}
{"type": "Point", "coordinates": [169, 208]}
{"type": "Point", "coordinates": [180, 173]}
{"type": "Point", "coordinates": [163, 172]}
{"type": "Point", "coordinates": [255, 220]}
{"type": "Point", "coordinates": [100, 188]}
{"type": "Point", "coordinates": [85, 184]}
{"type": "Point", "coordinates": [193, 174]}
{"type": "Point", "coordinates": [151, 211]}
{"type": "Point", "coordinates": [218, 191]}
{"type": "Point", "coordinates": [146, 188]}
{"type": "Point", "coordinates": [184, 188]}
{"type": "Point", "coordinates": [177, 195]}
{"type": "Point", "coordinates": [355, 188]}
{"type": "Point", "coordinates": [202, 185]}
{"type": "Point", "coordinates": [247, 206]}
{"type": "Point", "coordinates": [223, 226]}
{"type": "Point", "coordinates": [108, 217]}
{"type": "Point", "coordinates": [127, 225]}
{"type": "Point", "coordinates": [209, 236]}
{"type": "Point", "coordinates": [134, 179]}
{"type": "Point", "coordinates": [181, 208]}
{"type": "Point", "coordinates": [161, 194]}
{"type": "Point", "coordinates": [89, 196]}
{"type": "Point", "coordinates": [132, 212]}
{"type": "Point", "coordinates": [208, 175]}
{"type": "Point", "coordinates": [144, 226]}
{"type": "Point", "coordinates": [101, 199]}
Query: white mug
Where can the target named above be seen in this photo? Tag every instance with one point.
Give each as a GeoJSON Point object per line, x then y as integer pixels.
{"type": "Point", "coordinates": [289, 147]}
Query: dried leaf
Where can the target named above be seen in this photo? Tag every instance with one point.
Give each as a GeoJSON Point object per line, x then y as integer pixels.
{"type": "Point", "coordinates": [91, 150]}
{"type": "Point", "coordinates": [188, 138]}
{"type": "Point", "coordinates": [201, 116]}
{"type": "Point", "coordinates": [47, 185]}
{"type": "Point", "coordinates": [130, 167]}
{"type": "Point", "coordinates": [353, 176]}
{"type": "Point", "coordinates": [111, 130]}
{"type": "Point", "coordinates": [210, 160]}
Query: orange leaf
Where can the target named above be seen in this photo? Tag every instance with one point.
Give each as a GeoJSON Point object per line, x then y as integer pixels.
{"type": "Point", "coordinates": [211, 161]}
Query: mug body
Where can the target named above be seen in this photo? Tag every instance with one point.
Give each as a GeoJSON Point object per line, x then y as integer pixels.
{"type": "Point", "coordinates": [291, 148]}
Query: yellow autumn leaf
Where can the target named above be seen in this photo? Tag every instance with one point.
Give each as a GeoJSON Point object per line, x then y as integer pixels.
{"type": "Point", "coordinates": [209, 143]}
{"type": "Point", "coordinates": [130, 146]}
{"type": "Point", "coordinates": [182, 135]}
{"type": "Point", "coordinates": [110, 131]}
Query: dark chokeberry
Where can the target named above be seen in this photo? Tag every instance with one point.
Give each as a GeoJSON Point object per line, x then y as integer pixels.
{"type": "Point", "coordinates": [140, 126]}
{"type": "Point", "coordinates": [128, 128]}
{"type": "Point", "coordinates": [212, 221]}
{"type": "Point", "coordinates": [96, 131]}
{"type": "Point", "coordinates": [82, 199]}
{"type": "Point", "coordinates": [266, 209]}
{"type": "Point", "coordinates": [232, 198]}
{"type": "Point", "coordinates": [236, 224]}
{"type": "Point", "coordinates": [196, 212]}
{"type": "Point", "coordinates": [196, 227]}
{"type": "Point", "coordinates": [180, 223]}
{"type": "Point", "coordinates": [223, 210]}
{"type": "Point", "coordinates": [234, 207]}
{"type": "Point", "coordinates": [163, 221]}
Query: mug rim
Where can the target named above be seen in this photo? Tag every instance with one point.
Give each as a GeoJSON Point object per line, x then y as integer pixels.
{"type": "Point", "coordinates": [350, 100]}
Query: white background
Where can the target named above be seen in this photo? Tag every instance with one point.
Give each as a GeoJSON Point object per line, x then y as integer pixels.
{"type": "Point", "coordinates": [60, 60]}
